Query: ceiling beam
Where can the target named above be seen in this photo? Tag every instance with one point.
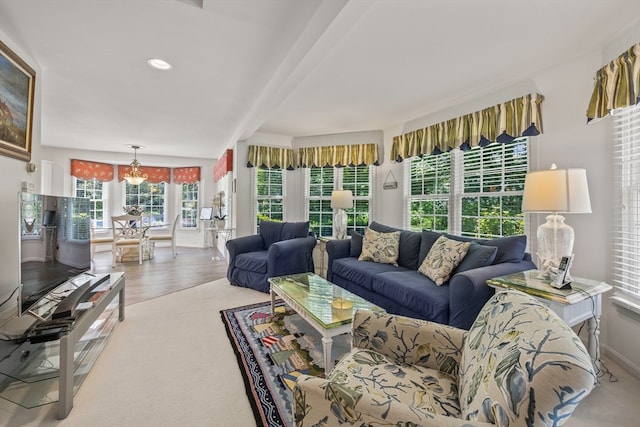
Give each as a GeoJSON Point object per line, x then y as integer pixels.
{"type": "Point", "coordinates": [331, 21]}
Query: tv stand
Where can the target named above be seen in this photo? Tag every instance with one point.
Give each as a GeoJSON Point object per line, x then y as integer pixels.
{"type": "Point", "coordinates": [81, 326]}
{"type": "Point", "coordinates": [37, 369]}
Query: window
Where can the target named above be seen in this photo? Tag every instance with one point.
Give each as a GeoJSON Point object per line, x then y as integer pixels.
{"type": "Point", "coordinates": [430, 179]}
{"type": "Point", "coordinates": [269, 184]}
{"type": "Point", "coordinates": [93, 190]}
{"type": "Point", "coordinates": [189, 205]}
{"type": "Point", "coordinates": [322, 181]}
{"type": "Point", "coordinates": [357, 180]}
{"type": "Point", "coordinates": [626, 232]}
{"type": "Point", "coordinates": [149, 197]}
{"type": "Point", "coordinates": [475, 193]}
{"type": "Point", "coordinates": [75, 220]}
{"type": "Point", "coordinates": [493, 182]}
{"type": "Point", "coordinates": [318, 191]}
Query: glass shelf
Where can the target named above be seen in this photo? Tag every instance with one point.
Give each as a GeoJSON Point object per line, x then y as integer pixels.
{"type": "Point", "coordinates": [30, 375]}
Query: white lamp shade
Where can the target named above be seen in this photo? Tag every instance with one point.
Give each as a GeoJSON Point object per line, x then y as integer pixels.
{"type": "Point", "coordinates": [135, 180]}
{"type": "Point", "coordinates": [341, 199]}
{"type": "Point", "coordinates": [556, 190]}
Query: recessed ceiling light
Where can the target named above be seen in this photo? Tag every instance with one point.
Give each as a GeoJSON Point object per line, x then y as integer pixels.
{"type": "Point", "coordinates": [159, 64]}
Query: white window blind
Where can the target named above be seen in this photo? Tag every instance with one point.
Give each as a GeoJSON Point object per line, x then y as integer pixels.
{"type": "Point", "coordinates": [626, 235]}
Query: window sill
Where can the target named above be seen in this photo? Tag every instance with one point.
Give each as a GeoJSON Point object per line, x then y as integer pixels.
{"type": "Point", "coordinates": [626, 303]}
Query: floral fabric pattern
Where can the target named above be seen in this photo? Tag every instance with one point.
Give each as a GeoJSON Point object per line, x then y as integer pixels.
{"type": "Point", "coordinates": [519, 365]}
{"type": "Point", "coordinates": [523, 365]}
{"type": "Point", "coordinates": [380, 247]}
{"type": "Point", "coordinates": [443, 257]}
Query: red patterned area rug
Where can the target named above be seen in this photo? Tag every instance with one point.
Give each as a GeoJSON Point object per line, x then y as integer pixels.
{"type": "Point", "coordinates": [272, 351]}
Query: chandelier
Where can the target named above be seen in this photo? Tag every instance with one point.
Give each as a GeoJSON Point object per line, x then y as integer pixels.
{"type": "Point", "coordinates": [135, 177]}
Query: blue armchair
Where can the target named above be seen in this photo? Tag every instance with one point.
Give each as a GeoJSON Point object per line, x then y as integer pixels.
{"type": "Point", "coordinates": [281, 248]}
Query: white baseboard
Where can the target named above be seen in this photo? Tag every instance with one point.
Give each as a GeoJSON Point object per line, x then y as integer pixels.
{"type": "Point", "coordinates": [622, 361]}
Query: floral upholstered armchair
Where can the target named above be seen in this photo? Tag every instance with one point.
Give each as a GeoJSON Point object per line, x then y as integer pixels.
{"type": "Point", "coordinates": [518, 365]}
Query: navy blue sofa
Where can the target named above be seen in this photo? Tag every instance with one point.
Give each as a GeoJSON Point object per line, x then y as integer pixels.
{"type": "Point", "coordinates": [281, 248]}
{"type": "Point", "coordinates": [403, 290]}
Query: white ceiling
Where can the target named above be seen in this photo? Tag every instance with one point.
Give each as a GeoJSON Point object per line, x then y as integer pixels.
{"type": "Point", "coordinates": [289, 67]}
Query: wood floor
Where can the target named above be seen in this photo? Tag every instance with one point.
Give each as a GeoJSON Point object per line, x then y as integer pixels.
{"type": "Point", "coordinates": [164, 274]}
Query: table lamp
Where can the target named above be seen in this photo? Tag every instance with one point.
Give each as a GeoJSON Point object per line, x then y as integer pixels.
{"type": "Point", "coordinates": [341, 200]}
{"type": "Point", "coordinates": [555, 191]}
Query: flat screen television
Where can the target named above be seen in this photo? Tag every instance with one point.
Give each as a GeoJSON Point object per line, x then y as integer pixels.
{"type": "Point", "coordinates": [54, 243]}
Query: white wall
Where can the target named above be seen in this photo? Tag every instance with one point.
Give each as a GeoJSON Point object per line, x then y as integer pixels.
{"type": "Point", "coordinates": [12, 173]}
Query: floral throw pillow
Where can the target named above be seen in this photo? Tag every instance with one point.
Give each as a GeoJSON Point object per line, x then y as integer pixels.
{"type": "Point", "coordinates": [443, 257]}
{"type": "Point", "coordinates": [380, 247]}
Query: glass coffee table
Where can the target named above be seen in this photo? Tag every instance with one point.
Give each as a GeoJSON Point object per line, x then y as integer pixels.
{"type": "Point", "coordinates": [325, 306]}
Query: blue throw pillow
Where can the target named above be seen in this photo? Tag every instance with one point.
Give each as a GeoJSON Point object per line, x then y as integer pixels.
{"type": "Point", "coordinates": [477, 256]}
{"type": "Point", "coordinates": [270, 232]}
{"type": "Point", "coordinates": [428, 239]}
{"type": "Point", "coordinates": [409, 248]}
{"type": "Point", "coordinates": [293, 230]}
{"type": "Point", "coordinates": [355, 247]}
{"type": "Point", "coordinates": [510, 248]}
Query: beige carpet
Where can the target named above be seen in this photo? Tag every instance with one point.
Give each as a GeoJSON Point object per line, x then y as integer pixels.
{"type": "Point", "coordinates": [170, 364]}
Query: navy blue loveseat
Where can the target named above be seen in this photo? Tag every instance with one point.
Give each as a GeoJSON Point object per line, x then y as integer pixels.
{"type": "Point", "coordinates": [281, 248]}
{"type": "Point", "coordinates": [403, 290]}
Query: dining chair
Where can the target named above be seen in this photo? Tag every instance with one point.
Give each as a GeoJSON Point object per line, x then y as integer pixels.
{"type": "Point", "coordinates": [100, 239]}
{"type": "Point", "coordinates": [128, 232]}
{"type": "Point", "coordinates": [168, 237]}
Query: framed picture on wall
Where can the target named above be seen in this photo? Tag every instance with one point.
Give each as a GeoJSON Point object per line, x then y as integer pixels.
{"type": "Point", "coordinates": [17, 81]}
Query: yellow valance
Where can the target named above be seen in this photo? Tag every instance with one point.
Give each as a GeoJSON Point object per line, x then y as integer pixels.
{"type": "Point", "coordinates": [617, 85]}
{"type": "Point", "coordinates": [502, 123]}
{"type": "Point", "coordinates": [338, 156]}
{"type": "Point", "coordinates": [270, 157]}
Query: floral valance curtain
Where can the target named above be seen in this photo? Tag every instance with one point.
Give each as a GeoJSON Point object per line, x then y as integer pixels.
{"type": "Point", "coordinates": [223, 166]}
{"type": "Point", "coordinates": [502, 123]}
{"type": "Point", "coordinates": [188, 175]}
{"type": "Point", "coordinates": [84, 169]}
{"type": "Point", "coordinates": [617, 85]}
{"type": "Point", "coordinates": [155, 175]}
{"type": "Point", "coordinates": [270, 157]}
{"type": "Point", "coordinates": [338, 156]}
